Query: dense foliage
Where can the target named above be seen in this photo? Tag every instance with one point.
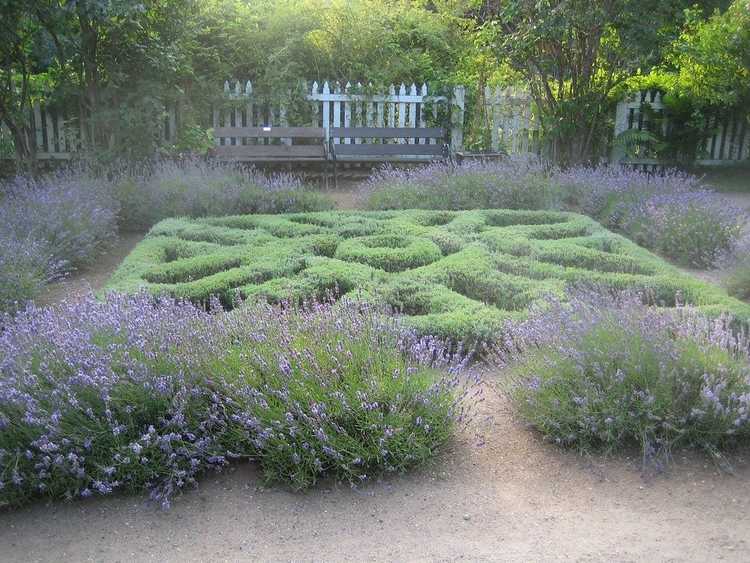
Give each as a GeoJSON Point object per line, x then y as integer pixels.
{"type": "Point", "coordinates": [607, 373]}
{"type": "Point", "coordinates": [457, 275]}
{"type": "Point", "coordinates": [197, 188]}
{"type": "Point", "coordinates": [149, 395]}
{"type": "Point", "coordinates": [671, 213]}
{"type": "Point", "coordinates": [515, 183]}
{"type": "Point", "coordinates": [48, 227]}
{"type": "Point", "coordinates": [116, 65]}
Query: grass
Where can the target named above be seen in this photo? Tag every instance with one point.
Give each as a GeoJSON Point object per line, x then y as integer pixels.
{"type": "Point", "coordinates": [457, 275]}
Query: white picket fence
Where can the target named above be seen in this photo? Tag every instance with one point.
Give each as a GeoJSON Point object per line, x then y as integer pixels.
{"type": "Point", "coordinates": [343, 106]}
{"type": "Point", "coordinates": [513, 128]}
{"type": "Point", "coordinates": [58, 135]}
{"type": "Point", "coordinates": [727, 142]}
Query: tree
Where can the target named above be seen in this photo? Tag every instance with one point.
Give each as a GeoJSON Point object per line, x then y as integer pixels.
{"type": "Point", "coordinates": [711, 59]}
{"type": "Point", "coordinates": [22, 51]}
{"type": "Point", "coordinates": [574, 54]}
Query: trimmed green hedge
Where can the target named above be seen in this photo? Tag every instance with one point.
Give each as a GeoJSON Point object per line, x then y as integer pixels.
{"type": "Point", "coordinates": [458, 275]}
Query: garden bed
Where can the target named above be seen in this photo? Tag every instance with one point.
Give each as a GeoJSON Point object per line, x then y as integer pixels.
{"type": "Point", "coordinates": [458, 275]}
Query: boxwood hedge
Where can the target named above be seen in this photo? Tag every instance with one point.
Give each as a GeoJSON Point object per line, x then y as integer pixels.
{"type": "Point", "coordinates": [458, 275]}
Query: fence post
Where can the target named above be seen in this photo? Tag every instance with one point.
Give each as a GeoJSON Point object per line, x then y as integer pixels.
{"type": "Point", "coordinates": [621, 125]}
{"type": "Point", "coordinates": [457, 118]}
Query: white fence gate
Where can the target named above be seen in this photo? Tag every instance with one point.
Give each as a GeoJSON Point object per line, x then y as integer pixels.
{"type": "Point", "coordinates": [513, 127]}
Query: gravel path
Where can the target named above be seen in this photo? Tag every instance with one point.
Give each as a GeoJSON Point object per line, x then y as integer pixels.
{"type": "Point", "coordinates": [512, 499]}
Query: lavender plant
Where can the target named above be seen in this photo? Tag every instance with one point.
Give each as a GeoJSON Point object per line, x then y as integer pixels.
{"type": "Point", "coordinates": [26, 266]}
{"type": "Point", "coordinates": [49, 226]}
{"type": "Point", "coordinates": [133, 393]}
{"type": "Point", "coordinates": [199, 188]}
{"type": "Point", "coordinates": [514, 183]}
{"type": "Point", "coordinates": [606, 193]}
{"type": "Point", "coordinates": [70, 212]}
{"type": "Point", "coordinates": [693, 228]}
{"type": "Point", "coordinates": [603, 373]}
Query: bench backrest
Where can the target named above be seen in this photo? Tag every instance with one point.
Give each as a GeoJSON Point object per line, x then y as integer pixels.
{"type": "Point", "coordinates": [389, 149]}
{"type": "Point", "coordinates": [314, 150]}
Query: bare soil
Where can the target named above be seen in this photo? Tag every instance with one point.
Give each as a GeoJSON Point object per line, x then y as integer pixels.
{"type": "Point", "coordinates": [514, 498]}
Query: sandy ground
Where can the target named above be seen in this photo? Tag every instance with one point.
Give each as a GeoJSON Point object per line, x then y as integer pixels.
{"type": "Point", "coordinates": [92, 278]}
{"type": "Point", "coordinates": [512, 499]}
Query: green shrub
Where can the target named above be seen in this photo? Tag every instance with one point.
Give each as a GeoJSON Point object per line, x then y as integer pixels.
{"type": "Point", "coordinates": [457, 275]}
{"type": "Point", "coordinates": [737, 262]}
{"type": "Point", "coordinates": [200, 188]}
{"type": "Point", "coordinates": [147, 394]}
{"type": "Point", "coordinates": [602, 374]}
{"type": "Point", "coordinates": [514, 183]}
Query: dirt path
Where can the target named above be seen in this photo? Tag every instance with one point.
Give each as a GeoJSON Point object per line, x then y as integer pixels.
{"type": "Point", "coordinates": [512, 499]}
{"type": "Point", "coordinates": [93, 277]}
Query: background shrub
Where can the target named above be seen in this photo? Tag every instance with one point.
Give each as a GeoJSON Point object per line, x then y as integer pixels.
{"type": "Point", "coordinates": [50, 226]}
{"type": "Point", "coordinates": [692, 228]}
{"type": "Point", "coordinates": [513, 183]}
{"type": "Point", "coordinates": [147, 394]}
{"type": "Point", "coordinates": [26, 266]}
{"type": "Point", "coordinates": [199, 188]}
{"type": "Point", "coordinates": [606, 373]}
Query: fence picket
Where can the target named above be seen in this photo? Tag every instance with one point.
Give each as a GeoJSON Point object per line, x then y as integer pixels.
{"type": "Point", "coordinates": [422, 107]}
{"type": "Point", "coordinates": [315, 122]}
{"type": "Point", "coordinates": [38, 127]}
{"type": "Point", "coordinates": [347, 112]}
{"type": "Point", "coordinates": [337, 112]}
{"type": "Point", "coordinates": [402, 109]}
{"type": "Point", "coordinates": [62, 146]}
{"type": "Point", "coordinates": [370, 111]}
{"type": "Point", "coordinates": [326, 109]}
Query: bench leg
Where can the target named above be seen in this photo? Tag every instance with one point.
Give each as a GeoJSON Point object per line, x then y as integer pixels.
{"type": "Point", "coordinates": [335, 175]}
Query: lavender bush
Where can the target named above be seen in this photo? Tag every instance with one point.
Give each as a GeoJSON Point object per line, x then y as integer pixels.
{"type": "Point", "coordinates": [199, 188]}
{"type": "Point", "coordinates": [602, 373]}
{"type": "Point", "coordinates": [606, 193]}
{"type": "Point", "coordinates": [693, 228]}
{"type": "Point", "coordinates": [132, 393]}
{"type": "Point", "coordinates": [72, 213]}
{"type": "Point", "coordinates": [26, 266]}
{"type": "Point", "coordinates": [49, 226]}
{"type": "Point", "coordinates": [514, 183]}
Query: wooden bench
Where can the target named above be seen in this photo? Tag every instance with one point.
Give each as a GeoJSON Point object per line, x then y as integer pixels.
{"type": "Point", "coordinates": [387, 152]}
{"type": "Point", "coordinates": [313, 149]}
